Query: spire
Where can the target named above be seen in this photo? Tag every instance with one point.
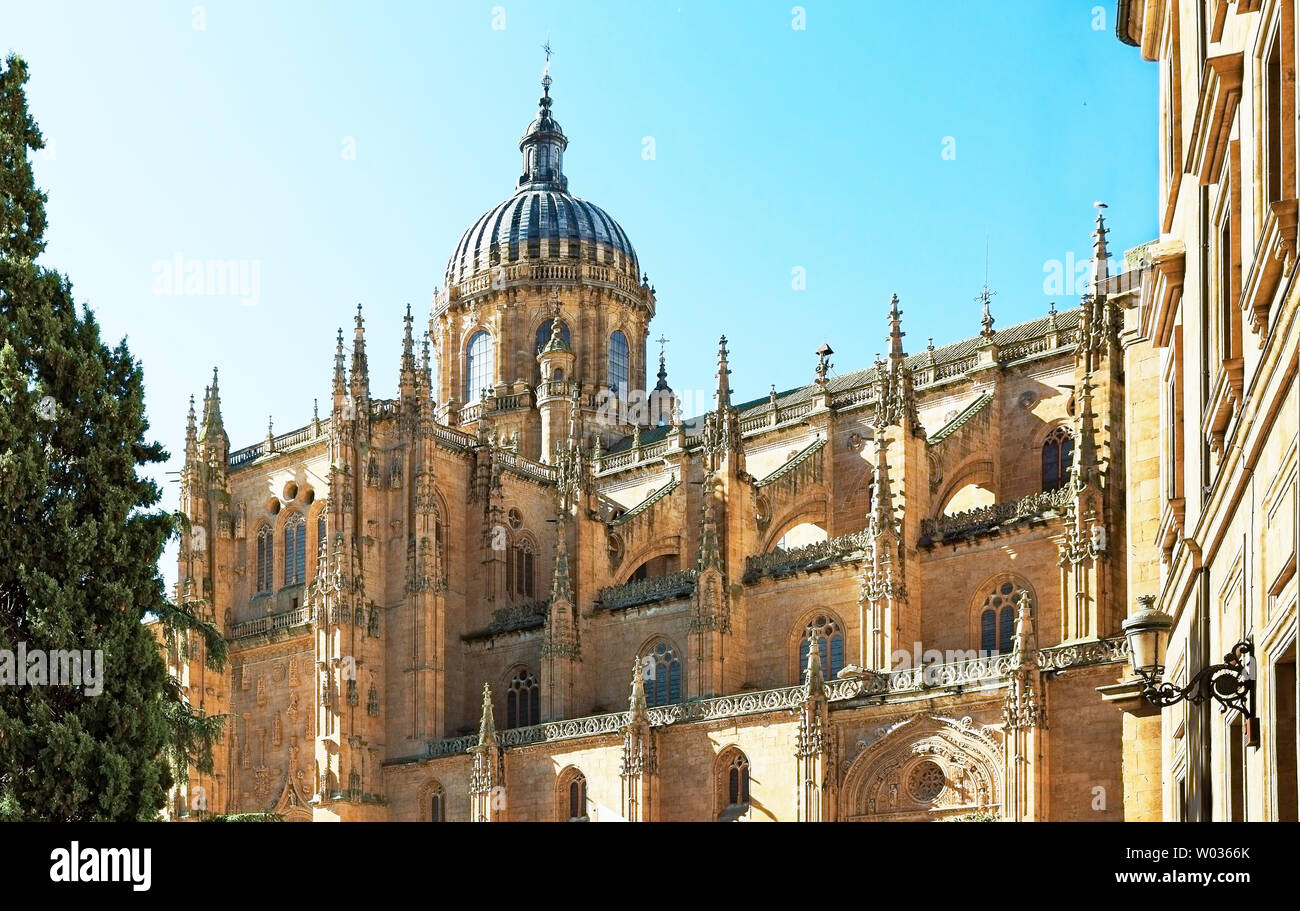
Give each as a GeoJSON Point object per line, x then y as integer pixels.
{"type": "Point", "coordinates": [191, 431]}
{"type": "Point", "coordinates": [340, 377]}
{"type": "Point", "coordinates": [882, 503]}
{"type": "Point", "coordinates": [896, 333]}
{"type": "Point", "coordinates": [408, 344]}
{"type": "Point", "coordinates": [710, 553]}
{"type": "Point", "coordinates": [813, 679]}
{"type": "Point", "coordinates": [212, 427]}
{"type": "Point", "coordinates": [1100, 270]}
{"type": "Point", "coordinates": [360, 371]}
{"type": "Point", "coordinates": [487, 725]}
{"type": "Point", "coordinates": [1083, 467]}
{"type": "Point", "coordinates": [662, 385]}
{"type": "Point", "coordinates": [636, 704]}
{"type": "Point", "coordinates": [723, 395]}
{"type": "Point", "coordinates": [556, 342]}
{"type": "Point", "coordinates": [561, 583]}
{"type": "Point", "coordinates": [543, 145]}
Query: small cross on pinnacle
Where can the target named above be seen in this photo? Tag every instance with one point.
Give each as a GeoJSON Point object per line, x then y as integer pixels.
{"type": "Point", "coordinates": [662, 340]}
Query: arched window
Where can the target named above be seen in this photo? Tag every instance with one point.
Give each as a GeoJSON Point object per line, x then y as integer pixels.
{"type": "Point", "coordinates": [478, 366]}
{"type": "Point", "coordinates": [520, 570]}
{"type": "Point", "coordinates": [663, 675]}
{"type": "Point", "coordinates": [265, 548]}
{"type": "Point", "coordinates": [577, 794]}
{"type": "Point", "coordinates": [438, 805]}
{"type": "Point", "coordinates": [618, 364]}
{"type": "Point", "coordinates": [523, 700]}
{"type": "Point", "coordinates": [544, 334]}
{"type": "Point", "coordinates": [998, 618]}
{"type": "Point", "coordinates": [295, 549]}
{"type": "Point", "coordinates": [830, 647]}
{"type": "Point", "coordinates": [733, 785]}
{"type": "Point", "coordinates": [1058, 451]}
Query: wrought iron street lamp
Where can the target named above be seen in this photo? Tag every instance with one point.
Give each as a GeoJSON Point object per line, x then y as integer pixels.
{"type": "Point", "coordinates": [1231, 684]}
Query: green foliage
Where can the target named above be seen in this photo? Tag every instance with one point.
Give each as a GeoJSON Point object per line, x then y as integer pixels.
{"type": "Point", "coordinates": [81, 541]}
{"type": "Point", "coordinates": [247, 817]}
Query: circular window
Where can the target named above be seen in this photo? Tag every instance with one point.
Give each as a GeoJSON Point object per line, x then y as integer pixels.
{"type": "Point", "coordinates": [290, 491]}
{"type": "Point", "coordinates": [515, 518]}
{"type": "Point", "coordinates": [926, 781]}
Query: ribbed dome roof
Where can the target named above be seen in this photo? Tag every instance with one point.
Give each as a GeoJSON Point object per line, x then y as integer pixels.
{"type": "Point", "coordinates": [531, 224]}
{"type": "Point", "coordinates": [542, 221]}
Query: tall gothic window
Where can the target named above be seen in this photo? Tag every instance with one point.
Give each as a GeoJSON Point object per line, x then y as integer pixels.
{"type": "Point", "coordinates": [1058, 451]}
{"type": "Point", "coordinates": [438, 805]}
{"type": "Point", "coordinates": [830, 647]}
{"type": "Point", "coordinates": [523, 700]}
{"type": "Point", "coordinates": [998, 618]}
{"type": "Point", "coordinates": [618, 364]}
{"type": "Point", "coordinates": [265, 548]}
{"type": "Point", "coordinates": [520, 571]}
{"type": "Point", "coordinates": [478, 366]}
{"type": "Point", "coordinates": [577, 798]}
{"type": "Point", "coordinates": [732, 801]}
{"type": "Point", "coordinates": [663, 675]}
{"type": "Point", "coordinates": [295, 549]}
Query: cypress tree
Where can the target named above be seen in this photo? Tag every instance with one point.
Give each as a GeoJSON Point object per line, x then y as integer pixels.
{"type": "Point", "coordinates": [81, 538]}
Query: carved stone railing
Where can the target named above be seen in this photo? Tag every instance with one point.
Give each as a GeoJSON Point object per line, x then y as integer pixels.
{"type": "Point", "coordinates": [453, 439]}
{"type": "Point", "coordinates": [984, 518]}
{"type": "Point", "coordinates": [860, 395]}
{"type": "Point", "coordinates": [281, 443]}
{"type": "Point", "coordinates": [648, 591]}
{"type": "Point", "coordinates": [526, 468]}
{"type": "Point", "coordinates": [261, 625]}
{"type": "Point", "coordinates": [991, 670]}
{"type": "Point", "coordinates": [511, 619]}
{"type": "Point", "coordinates": [810, 556]}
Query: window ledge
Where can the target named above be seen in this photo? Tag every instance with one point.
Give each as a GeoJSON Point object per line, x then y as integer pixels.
{"type": "Point", "coordinates": [1225, 400]}
{"type": "Point", "coordinates": [1220, 95]}
{"type": "Point", "coordinates": [1275, 255]}
{"type": "Point", "coordinates": [1172, 520]}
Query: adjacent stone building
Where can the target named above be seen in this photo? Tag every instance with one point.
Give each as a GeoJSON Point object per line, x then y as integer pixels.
{"type": "Point", "coordinates": [527, 587]}
{"type": "Point", "coordinates": [1210, 345]}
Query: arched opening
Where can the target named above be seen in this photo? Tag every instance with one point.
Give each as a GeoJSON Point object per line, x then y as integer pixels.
{"type": "Point", "coordinates": [662, 565]}
{"type": "Point", "coordinates": [801, 535]}
{"type": "Point", "coordinates": [971, 496]}
{"type": "Point", "coordinates": [1058, 453]}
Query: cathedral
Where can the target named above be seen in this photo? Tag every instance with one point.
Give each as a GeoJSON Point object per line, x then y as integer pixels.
{"type": "Point", "coordinates": [529, 588]}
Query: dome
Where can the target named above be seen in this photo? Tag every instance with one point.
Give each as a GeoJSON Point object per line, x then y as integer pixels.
{"type": "Point", "coordinates": [531, 225]}
{"type": "Point", "coordinates": [542, 221]}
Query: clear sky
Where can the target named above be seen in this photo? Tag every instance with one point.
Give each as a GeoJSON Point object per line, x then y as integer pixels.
{"type": "Point", "coordinates": [337, 150]}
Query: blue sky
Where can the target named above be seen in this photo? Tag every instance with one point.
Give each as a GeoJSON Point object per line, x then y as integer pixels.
{"type": "Point", "coordinates": [222, 131]}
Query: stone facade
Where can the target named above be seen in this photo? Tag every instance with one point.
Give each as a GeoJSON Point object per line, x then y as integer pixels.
{"type": "Point", "coordinates": [526, 588]}
{"type": "Point", "coordinates": [1210, 344]}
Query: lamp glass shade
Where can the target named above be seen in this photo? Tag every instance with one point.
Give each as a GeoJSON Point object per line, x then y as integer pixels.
{"type": "Point", "coordinates": [1147, 632]}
